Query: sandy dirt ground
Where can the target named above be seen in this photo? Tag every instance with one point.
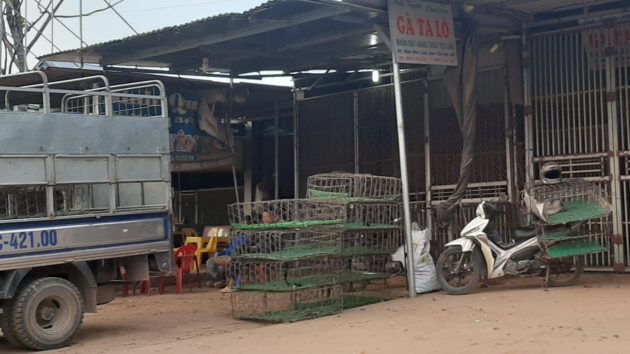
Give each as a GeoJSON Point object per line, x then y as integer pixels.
{"type": "Point", "coordinates": [515, 316]}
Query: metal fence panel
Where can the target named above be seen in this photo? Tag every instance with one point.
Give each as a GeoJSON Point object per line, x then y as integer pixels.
{"type": "Point", "coordinates": [580, 119]}
{"type": "Point", "coordinates": [326, 133]}
{"type": "Point", "coordinates": [489, 164]}
{"type": "Point", "coordinates": [334, 127]}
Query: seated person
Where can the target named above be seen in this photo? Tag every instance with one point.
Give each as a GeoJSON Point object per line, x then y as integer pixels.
{"type": "Point", "coordinates": [218, 264]}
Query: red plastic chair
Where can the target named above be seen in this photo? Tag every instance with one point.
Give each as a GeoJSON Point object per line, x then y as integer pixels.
{"type": "Point", "coordinates": [185, 262]}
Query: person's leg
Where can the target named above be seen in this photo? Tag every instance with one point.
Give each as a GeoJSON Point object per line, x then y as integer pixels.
{"type": "Point", "coordinates": [220, 279]}
{"type": "Point", "coordinates": [213, 271]}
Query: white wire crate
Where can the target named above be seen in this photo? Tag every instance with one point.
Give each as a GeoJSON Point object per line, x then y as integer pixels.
{"type": "Point", "coordinates": [287, 306]}
{"type": "Point", "coordinates": [354, 187]}
{"type": "Point", "coordinates": [569, 201]}
{"type": "Point", "coordinates": [284, 245]}
{"type": "Point", "coordinates": [305, 213]}
{"type": "Point", "coordinates": [286, 276]}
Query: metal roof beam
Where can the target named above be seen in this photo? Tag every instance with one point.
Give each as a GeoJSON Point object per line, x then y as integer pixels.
{"type": "Point", "coordinates": [228, 36]}
{"type": "Point", "coordinates": [325, 39]}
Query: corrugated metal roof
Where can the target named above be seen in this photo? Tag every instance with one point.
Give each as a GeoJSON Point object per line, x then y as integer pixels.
{"type": "Point", "coordinates": [289, 35]}
{"type": "Point", "coordinates": [526, 6]}
{"type": "Point", "coordinates": [536, 6]}
{"type": "Point", "coordinates": [174, 28]}
{"type": "Point", "coordinates": [279, 34]}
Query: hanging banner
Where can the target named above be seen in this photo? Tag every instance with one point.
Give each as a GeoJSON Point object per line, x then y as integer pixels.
{"type": "Point", "coordinates": [191, 142]}
{"type": "Point", "coordinates": [601, 42]}
{"type": "Point", "coordinates": [422, 32]}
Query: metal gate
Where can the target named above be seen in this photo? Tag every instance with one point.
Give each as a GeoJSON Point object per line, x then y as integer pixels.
{"type": "Point", "coordinates": [579, 117]}
{"type": "Point", "coordinates": [494, 171]}
{"type": "Point", "coordinates": [356, 132]}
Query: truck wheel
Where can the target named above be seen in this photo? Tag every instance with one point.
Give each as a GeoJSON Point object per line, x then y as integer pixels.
{"type": "Point", "coordinates": [45, 315]}
{"type": "Point", "coordinates": [4, 325]}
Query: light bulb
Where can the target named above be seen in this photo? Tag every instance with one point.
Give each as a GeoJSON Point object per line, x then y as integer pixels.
{"type": "Point", "coordinates": [376, 76]}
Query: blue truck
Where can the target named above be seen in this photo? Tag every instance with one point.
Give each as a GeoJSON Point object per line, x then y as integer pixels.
{"type": "Point", "coordinates": [85, 193]}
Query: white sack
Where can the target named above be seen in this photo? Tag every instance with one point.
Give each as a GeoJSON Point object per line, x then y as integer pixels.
{"type": "Point", "coordinates": [424, 269]}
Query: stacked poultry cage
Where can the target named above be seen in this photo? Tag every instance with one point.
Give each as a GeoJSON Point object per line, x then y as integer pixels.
{"type": "Point", "coordinates": [567, 214]}
{"type": "Point", "coordinates": [294, 258]}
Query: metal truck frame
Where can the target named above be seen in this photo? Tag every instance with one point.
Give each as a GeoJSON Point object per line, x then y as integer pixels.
{"type": "Point", "coordinates": [84, 191]}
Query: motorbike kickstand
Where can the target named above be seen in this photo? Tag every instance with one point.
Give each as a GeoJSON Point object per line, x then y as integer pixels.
{"type": "Point", "coordinates": [546, 281]}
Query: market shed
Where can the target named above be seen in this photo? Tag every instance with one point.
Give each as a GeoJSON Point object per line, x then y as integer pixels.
{"type": "Point", "coordinates": [552, 84]}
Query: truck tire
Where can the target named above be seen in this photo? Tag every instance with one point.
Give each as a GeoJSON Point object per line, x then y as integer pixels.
{"type": "Point", "coordinates": [45, 315]}
{"type": "Point", "coordinates": [4, 325]}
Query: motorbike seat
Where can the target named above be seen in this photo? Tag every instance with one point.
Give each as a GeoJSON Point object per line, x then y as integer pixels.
{"type": "Point", "coordinates": [524, 234]}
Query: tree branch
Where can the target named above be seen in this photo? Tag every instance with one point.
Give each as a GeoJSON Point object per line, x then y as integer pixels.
{"type": "Point", "coordinates": [41, 15]}
{"type": "Point", "coordinates": [91, 12]}
{"type": "Point", "coordinates": [44, 25]}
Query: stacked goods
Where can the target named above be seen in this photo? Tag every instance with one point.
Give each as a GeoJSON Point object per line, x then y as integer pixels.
{"type": "Point", "coordinates": [561, 209]}
{"type": "Point", "coordinates": [291, 250]}
{"type": "Point", "coordinates": [354, 187]}
{"type": "Point", "coordinates": [270, 306]}
{"type": "Point", "coordinates": [294, 214]}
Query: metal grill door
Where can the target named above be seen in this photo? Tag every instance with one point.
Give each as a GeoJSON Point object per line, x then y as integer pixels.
{"type": "Point", "coordinates": [574, 121]}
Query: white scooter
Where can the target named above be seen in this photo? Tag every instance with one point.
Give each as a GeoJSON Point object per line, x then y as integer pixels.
{"type": "Point", "coordinates": [480, 254]}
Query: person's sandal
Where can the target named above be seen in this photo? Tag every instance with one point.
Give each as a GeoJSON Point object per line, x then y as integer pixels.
{"type": "Point", "coordinates": [227, 289]}
{"type": "Point", "coordinates": [219, 284]}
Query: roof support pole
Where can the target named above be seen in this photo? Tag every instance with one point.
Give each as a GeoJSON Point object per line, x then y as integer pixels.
{"type": "Point", "coordinates": [402, 152]}
{"type": "Point", "coordinates": [296, 145]}
{"type": "Point", "coordinates": [276, 150]}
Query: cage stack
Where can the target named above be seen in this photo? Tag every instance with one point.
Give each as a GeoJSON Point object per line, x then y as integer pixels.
{"type": "Point", "coordinates": [294, 258]}
{"type": "Point", "coordinates": [561, 209]}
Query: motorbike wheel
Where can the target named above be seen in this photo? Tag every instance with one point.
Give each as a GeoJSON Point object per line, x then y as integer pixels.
{"type": "Point", "coordinates": [460, 281]}
{"type": "Point", "coordinates": [565, 271]}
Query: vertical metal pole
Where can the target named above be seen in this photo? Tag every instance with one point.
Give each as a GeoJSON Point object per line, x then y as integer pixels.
{"type": "Point", "coordinates": [545, 128]}
{"type": "Point", "coordinates": [81, 29]}
{"type": "Point", "coordinates": [248, 183]}
{"type": "Point", "coordinates": [235, 179]}
{"type": "Point", "coordinates": [572, 92]}
{"type": "Point", "coordinates": [615, 184]}
{"type": "Point", "coordinates": [529, 127]}
{"type": "Point", "coordinates": [296, 146]}
{"type": "Point", "coordinates": [509, 146]}
{"type": "Point", "coordinates": [355, 98]}
{"type": "Point", "coordinates": [402, 152]}
{"type": "Point", "coordinates": [231, 108]}
{"type": "Point", "coordinates": [52, 27]}
{"type": "Point", "coordinates": [25, 64]}
{"type": "Point", "coordinates": [555, 91]}
{"type": "Point", "coordinates": [276, 150]}
{"type": "Point", "coordinates": [2, 36]}
{"type": "Point", "coordinates": [582, 67]}
{"type": "Point", "coordinates": [589, 89]}
{"type": "Point", "coordinates": [50, 188]}
{"type": "Point", "coordinates": [427, 154]}
{"type": "Point", "coordinates": [179, 197]}
{"type": "Point", "coordinates": [197, 207]}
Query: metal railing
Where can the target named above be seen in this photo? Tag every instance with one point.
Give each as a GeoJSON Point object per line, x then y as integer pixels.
{"type": "Point", "coordinates": [146, 98]}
